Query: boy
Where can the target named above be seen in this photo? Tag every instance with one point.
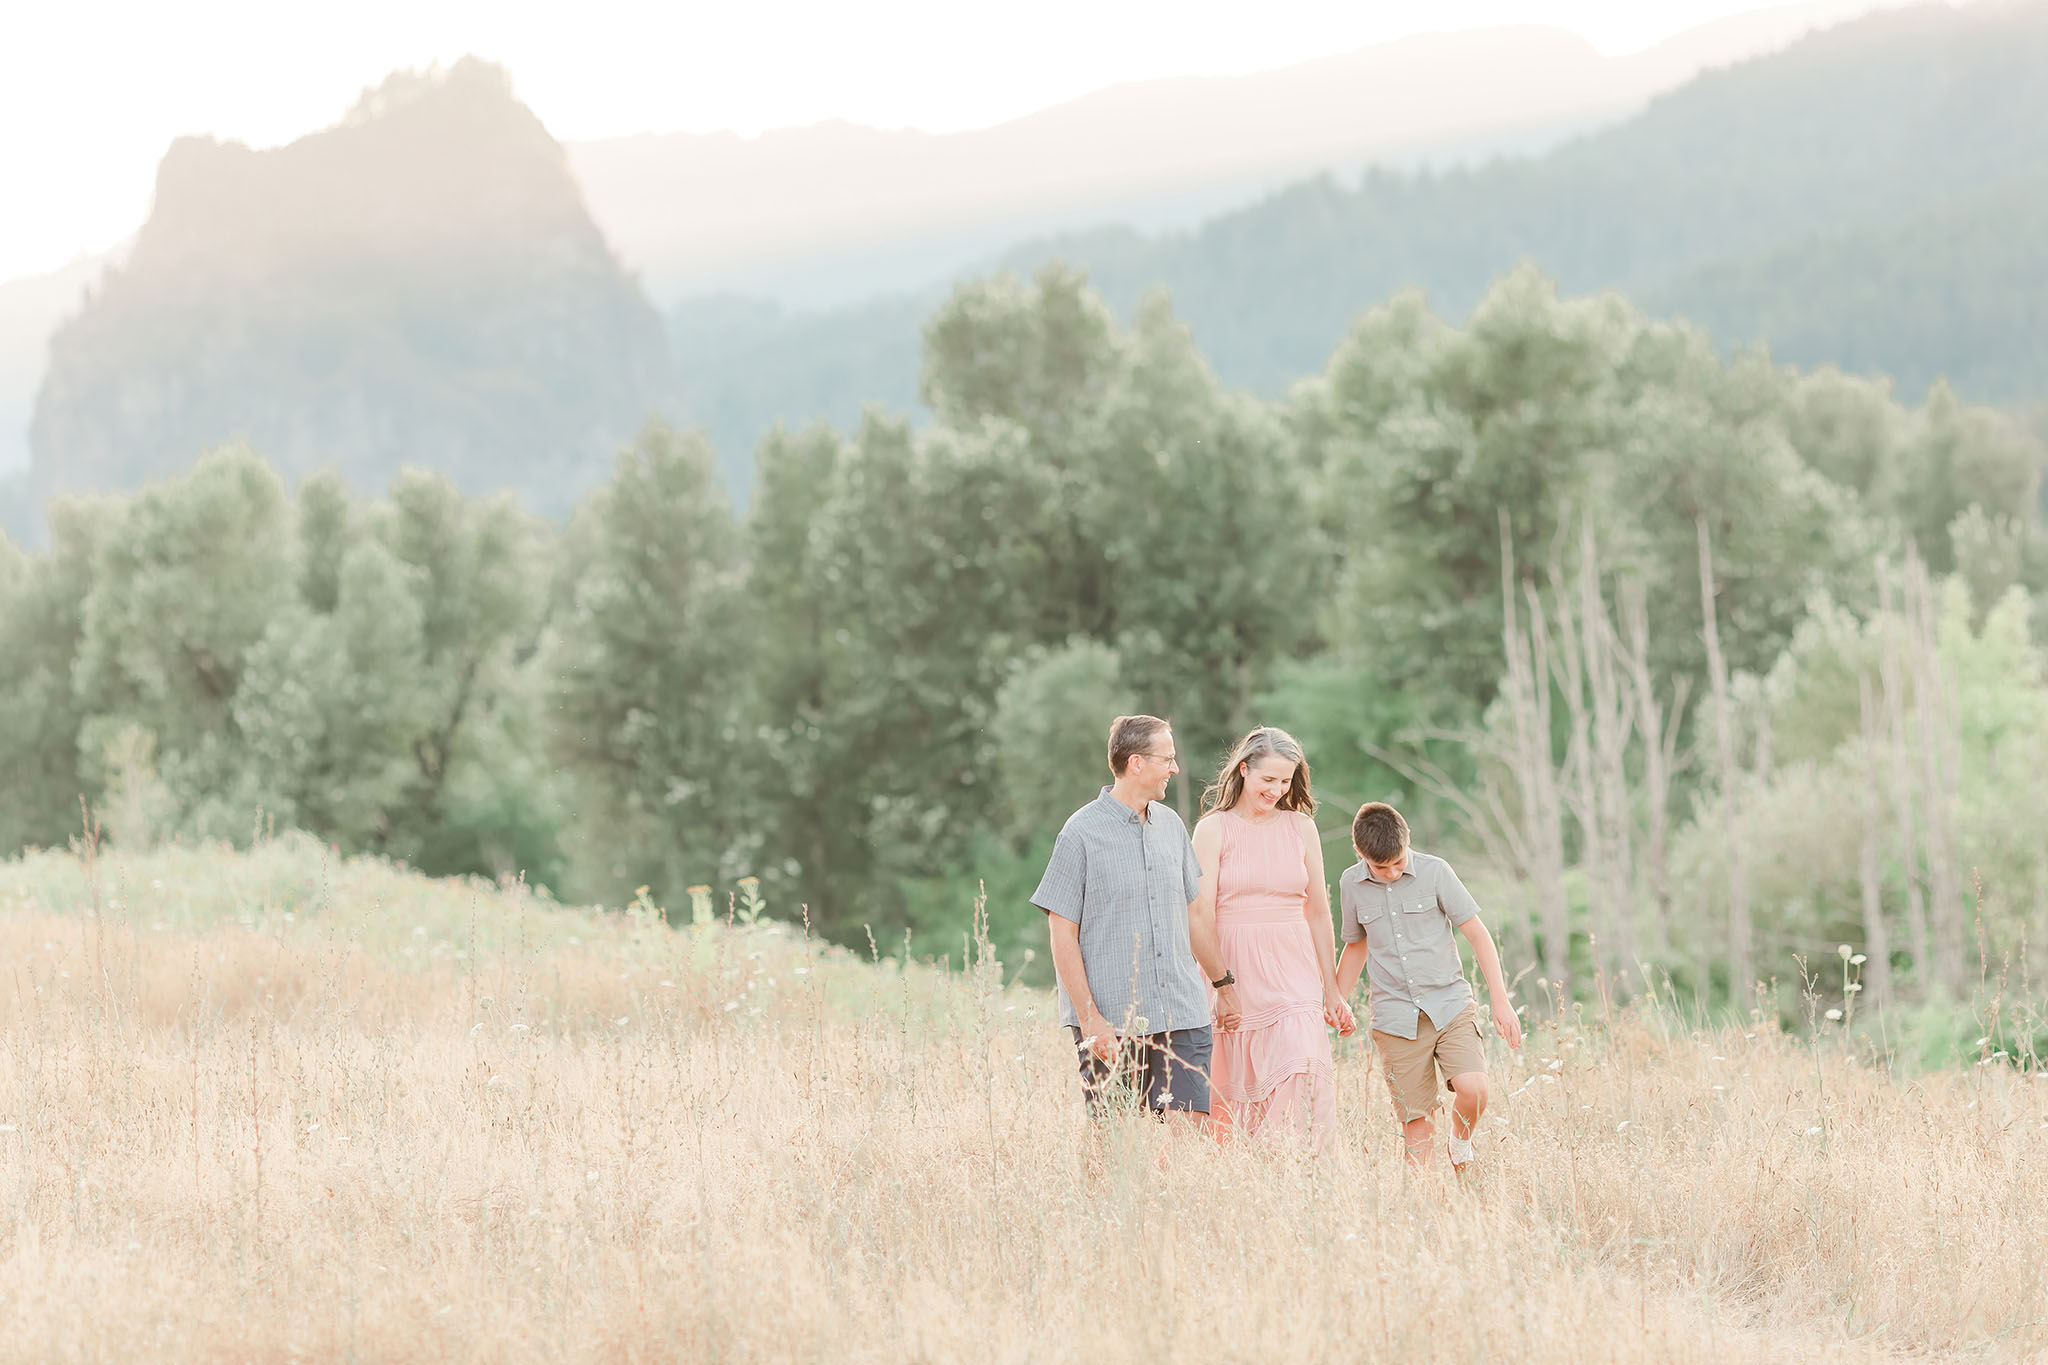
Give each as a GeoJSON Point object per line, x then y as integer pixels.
{"type": "Point", "coordinates": [1399, 909]}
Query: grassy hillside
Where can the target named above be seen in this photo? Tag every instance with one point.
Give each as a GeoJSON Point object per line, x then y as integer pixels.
{"type": "Point", "coordinates": [272, 1105]}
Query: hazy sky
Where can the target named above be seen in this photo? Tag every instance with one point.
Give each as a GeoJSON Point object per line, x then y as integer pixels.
{"type": "Point", "coordinates": [91, 92]}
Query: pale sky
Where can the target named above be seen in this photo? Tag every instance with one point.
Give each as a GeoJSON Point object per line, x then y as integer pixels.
{"type": "Point", "coordinates": [92, 91]}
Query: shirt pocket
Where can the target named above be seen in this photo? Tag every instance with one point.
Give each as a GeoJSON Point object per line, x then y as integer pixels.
{"type": "Point", "coordinates": [1423, 924]}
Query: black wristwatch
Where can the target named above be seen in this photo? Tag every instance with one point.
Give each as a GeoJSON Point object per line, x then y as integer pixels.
{"type": "Point", "coordinates": [1224, 980]}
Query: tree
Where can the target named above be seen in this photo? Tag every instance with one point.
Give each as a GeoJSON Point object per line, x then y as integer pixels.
{"type": "Point", "coordinates": [42, 622]}
{"type": "Point", "coordinates": [644, 675]}
{"type": "Point", "coordinates": [184, 586]}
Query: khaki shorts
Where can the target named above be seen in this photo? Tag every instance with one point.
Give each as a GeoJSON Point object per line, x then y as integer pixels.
{"type": "Point", "coordinates": [1413, 1064]}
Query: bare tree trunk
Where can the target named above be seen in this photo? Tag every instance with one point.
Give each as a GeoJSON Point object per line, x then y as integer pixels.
{"type": "Point", "coordinates": [1741, 967]}
{"type": "Point", "coordinates": [1930, 715]}
{"type": "Point", "coordinates": [1892, 681]}
{"type": "Point", "coordinates": [1660, 746]}
{"type": "Point", "coordinates": [1612, 724]}
{"type": "Point", "coordinates": [1877, 949]}
{"type": "Point", "coordinates": [1573, 651]}
{"type": "Point", "coordinates": [1542, 829]}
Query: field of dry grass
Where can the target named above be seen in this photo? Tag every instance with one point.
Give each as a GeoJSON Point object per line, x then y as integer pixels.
{"type": "Point", "coordinates": [268, 1106]}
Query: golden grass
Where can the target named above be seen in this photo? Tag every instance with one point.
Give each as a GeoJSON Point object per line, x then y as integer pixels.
{"type": "Point", "coordinates": [268, 1107]}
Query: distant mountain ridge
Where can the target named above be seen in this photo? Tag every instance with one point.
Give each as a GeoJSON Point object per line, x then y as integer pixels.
{"type": "Point", "coordinates": [418, 284]}
{"type": "Point", "coordinates": [835, 213]}
{"type": "Point", "coordinates": [1701, 206]}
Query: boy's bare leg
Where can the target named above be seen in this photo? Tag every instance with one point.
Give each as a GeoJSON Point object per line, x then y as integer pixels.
{"type": "Point", "coordinates": [1420, 1135]}
{"type": "Point", "coordinates": [1469, 1104]}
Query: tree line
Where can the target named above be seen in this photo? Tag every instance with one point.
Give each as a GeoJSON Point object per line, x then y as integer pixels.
{"type": "Point", "coordinates": [1655, 639]}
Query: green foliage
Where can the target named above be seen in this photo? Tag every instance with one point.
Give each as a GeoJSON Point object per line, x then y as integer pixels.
{"type": "Point", "coordinates": [42, 620]}
{"type": "Point", "coordinates": [1048, 765]}
{"type": "Point", "coordinates": [643, 670]}
{"type": "Point", "coordinates": [882, 690]}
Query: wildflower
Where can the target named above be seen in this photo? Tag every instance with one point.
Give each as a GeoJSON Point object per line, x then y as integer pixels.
{"type": "Point", "coordinates": [1843, 950]}
{"type": "Point", "coordinates": [1834, 1015]}
{"type": "Point", "coordinates": [1859, 959]}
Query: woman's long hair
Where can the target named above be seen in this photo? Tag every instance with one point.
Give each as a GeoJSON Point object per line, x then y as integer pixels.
{"type": "Point", "coordinates": [1263, 742]}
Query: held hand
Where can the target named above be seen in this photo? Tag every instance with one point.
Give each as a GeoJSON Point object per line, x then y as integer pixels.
{"type": "Point", "coordinates": [1337, 1014]}
{"type": "Point", "coordinates": [1506, 1024]}
{"type": "Point", "coordinates": [1227, 1011]}
{"type": "Point", "coordinates": [1098, 1037]}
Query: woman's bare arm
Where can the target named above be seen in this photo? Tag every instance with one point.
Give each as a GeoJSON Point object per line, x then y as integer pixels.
{"type": "Point", "coordinates": [1316, 910]}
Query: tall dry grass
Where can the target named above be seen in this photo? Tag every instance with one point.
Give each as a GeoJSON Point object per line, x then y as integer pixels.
{"type": "Point", "coordinates": [269, 1107]}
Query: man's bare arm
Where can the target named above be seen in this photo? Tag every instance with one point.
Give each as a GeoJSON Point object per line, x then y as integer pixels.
{"type": "Point", "coordinates": [1073, 975]}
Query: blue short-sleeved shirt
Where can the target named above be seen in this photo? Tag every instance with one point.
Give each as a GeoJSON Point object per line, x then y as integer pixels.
{"type": "Point", "coordinates": [1128, 883]}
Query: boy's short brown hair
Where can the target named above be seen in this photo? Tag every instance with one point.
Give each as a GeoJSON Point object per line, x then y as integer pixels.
{"type": "Point", "coordinates": [1130, 736]}
{"type": "Point", "coordinates": [1378, 832]}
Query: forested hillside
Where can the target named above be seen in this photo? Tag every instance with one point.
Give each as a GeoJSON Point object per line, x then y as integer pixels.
{"type": "Point", "coordinates": [1464, 565]}
{"type": "Point", "coordinates": [417, 285]}
{"type": "Point", "coordinates": [1907, 148]}
{"type": "Point", "coordinates": [1959, 290]}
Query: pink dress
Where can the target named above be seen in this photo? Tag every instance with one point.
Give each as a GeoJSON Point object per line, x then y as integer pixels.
{"type": "Point", "coordinates": [1273, 1071]}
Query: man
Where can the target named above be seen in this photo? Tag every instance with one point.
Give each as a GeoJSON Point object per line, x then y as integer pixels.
{"type": "Point", "coordinates": [1131, 955]}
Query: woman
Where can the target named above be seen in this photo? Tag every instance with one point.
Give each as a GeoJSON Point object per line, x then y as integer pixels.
{"type": "Point", "coordinates": [1262, 878]}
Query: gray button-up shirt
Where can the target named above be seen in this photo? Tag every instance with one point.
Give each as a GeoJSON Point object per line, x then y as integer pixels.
{"type": "Point", "coordinates": [1411, 956]}
{"type": "Point", "coordinates": [1128, 883]}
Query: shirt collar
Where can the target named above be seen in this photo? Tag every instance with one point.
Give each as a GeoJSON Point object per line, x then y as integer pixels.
{"type": "Point", "coordinates": [1365, 873]}
{"type": "Point", "coordinates": [1115, 807]}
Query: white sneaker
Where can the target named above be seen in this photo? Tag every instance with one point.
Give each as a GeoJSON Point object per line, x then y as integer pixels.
{"type": "Point", "coordinates": [1461, 1151]}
